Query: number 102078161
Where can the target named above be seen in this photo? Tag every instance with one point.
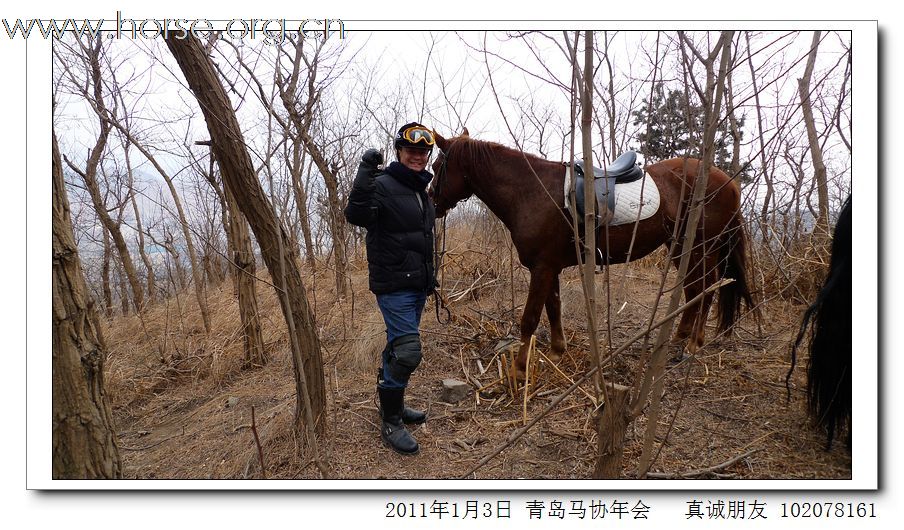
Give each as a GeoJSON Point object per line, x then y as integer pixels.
{"type": "Point", "coordinates": [829, 510]}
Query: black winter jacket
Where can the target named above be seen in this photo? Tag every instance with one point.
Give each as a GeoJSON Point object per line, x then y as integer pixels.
{"type": "Point", "coordinates": [399, 231]}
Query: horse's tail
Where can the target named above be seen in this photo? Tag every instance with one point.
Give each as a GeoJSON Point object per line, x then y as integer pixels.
{"type": "Point", "coordinates": [733, 263]}
{"type": "Point", "coordinates": [829, 366]}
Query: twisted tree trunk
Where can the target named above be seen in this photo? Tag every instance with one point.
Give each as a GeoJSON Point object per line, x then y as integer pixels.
{"type": "Point", "coordinates": [239, 178]}
{"type": "Point", "coordinates": [84, 443]}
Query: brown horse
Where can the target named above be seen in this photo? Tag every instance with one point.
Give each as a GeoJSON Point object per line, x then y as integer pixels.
{"type": "Point", "coordinates": [527, 194]}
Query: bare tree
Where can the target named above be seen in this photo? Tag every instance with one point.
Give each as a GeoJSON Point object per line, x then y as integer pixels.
{"type": "Point", "coordinates": [84, 440]}
{"type": "Point", "coordinates": [764, 169]}
{"type": "Point", "coordinates": [167, 242]}
{"type": "Point", "coordinates": [130, 182]}
{"type": "Point", "coordinates": [301, 115]}
{"type": "Point", "coordinates": [651, 385]}
{"type": "Point", "coordinates": [196, 267]}
{"type": "Point", "coordinates": [239, 178]}
{"type": "Point", "coordinates": [93, 92]}
{"type": "Point", "coordinates": [734, 126]}
{"type": "Point", "coordinates": [105, 275]}
{"type": "Point", "coordinates": [819, 167]}
{"type": "Point", "coordinates": [244, 270]}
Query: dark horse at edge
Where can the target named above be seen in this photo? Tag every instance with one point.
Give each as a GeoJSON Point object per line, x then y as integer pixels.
{"type": "Point", "coordinates": [531, 207]}
{"type": "Point", "coordinates": [829, 400]}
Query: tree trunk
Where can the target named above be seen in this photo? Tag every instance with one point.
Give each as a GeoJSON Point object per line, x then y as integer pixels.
{"type": "Point", "coordinates": [734, 130]}
{"type": "Point", "coordinates": [142, 252]}
{"type": "Point", "coordinates": [301, 204]}
{"type": "Point", "coordinates": [337, 222]}
{"type": "Point", "coordinates": [613, 424]}
{"type": "Point", "coordinates": [112, 227]}
{"type": "Point", "coordinates": [105, 275]}
{"type": "Point", "coordinates": [767, 175]}
{"type": "Point", "coordinates": [197, 277]}
{"type": "Point", "coordinates": [84, 441]}
{"type": "Point", "coordinates": [819, 167]}
{"type": "Point", "coordinates": [196, 271]}
{"type": "Point", "coordinates": [653, 380]}
{"type": "Point", "coordinates": [243, 270]}
{"type": "Point", "coordinates": [243, 274]}
{"type": "Point", "coordinates": [169, 243]}
{"type": "Point", "coordinates": [302, 123]}
{"type": "Point", "coordinates": [239, 178]}
{"type": "Point", "coordinates": [123, 291]}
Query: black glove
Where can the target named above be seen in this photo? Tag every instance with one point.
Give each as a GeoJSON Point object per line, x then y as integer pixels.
{"type": "Point", "coordinates": [372, 158]}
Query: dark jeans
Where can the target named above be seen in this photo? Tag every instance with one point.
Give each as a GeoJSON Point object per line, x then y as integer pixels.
{"type": "Point", "coordinates": [402, 314]}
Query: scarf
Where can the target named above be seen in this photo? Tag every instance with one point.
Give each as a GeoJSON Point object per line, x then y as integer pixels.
{"type": "Point", "coordinates": [416, 180]}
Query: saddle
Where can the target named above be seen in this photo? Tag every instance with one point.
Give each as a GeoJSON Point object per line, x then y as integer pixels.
{"type": "Point", "coordinates": [623, 170]}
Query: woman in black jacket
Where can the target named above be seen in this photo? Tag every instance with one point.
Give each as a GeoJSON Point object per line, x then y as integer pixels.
{"type": "Point", "coordinates": [393, 205]}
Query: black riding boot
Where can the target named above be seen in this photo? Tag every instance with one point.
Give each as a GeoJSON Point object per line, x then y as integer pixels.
{"type": "Point", "coordinates": [412, 416]}
{"type": "Point", "coordinates": [393, 431]}
{"type": "Point", "coordinates": [409, 416]}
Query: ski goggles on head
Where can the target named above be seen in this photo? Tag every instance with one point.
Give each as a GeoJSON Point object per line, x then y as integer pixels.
{"type": "Point", "coordinates": [419, 135]}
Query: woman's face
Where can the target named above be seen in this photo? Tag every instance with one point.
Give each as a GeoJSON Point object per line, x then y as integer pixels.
{"type": "Point", "coordinates": [414, 159]}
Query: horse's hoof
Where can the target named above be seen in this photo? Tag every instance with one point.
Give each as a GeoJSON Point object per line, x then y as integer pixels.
{"type": "Point", "coordinates": [520, 375]}
{"type": "Point", "coordinates": [554, 356]}
{"type": "Point", "coordinates": [681, 356]}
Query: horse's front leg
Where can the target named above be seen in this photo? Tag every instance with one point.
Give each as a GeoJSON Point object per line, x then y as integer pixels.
{"type": "Point", "coordinates": [541, 282]}
{"type": "Point", "coordinates": [554, 313]}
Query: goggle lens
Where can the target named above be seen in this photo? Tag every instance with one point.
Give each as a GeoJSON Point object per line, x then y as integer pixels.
{"type": "Point", "coordinates": [417, 135]}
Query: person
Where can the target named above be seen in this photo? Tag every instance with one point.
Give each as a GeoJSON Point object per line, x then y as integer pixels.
{"type": "Point", "coordinates": [394, 207]}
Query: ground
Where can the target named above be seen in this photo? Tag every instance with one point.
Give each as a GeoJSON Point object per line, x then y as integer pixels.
{"type": "Point", "coordinates": [183, 405]}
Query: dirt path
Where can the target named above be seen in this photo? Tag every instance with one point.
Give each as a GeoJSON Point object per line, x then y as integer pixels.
{"type": "Point", "coordinates": [191, 421]}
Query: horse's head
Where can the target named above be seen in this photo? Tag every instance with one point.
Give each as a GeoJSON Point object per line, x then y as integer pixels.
{"type": "Point", "coordinates": [450, 184]}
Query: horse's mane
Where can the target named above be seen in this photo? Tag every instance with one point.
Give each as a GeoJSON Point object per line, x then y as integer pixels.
{"type": "Point", "coordinates": [484, 153]}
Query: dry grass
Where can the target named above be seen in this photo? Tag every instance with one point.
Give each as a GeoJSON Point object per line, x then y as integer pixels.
{"type": "Point", "coordinates": [171, 385]}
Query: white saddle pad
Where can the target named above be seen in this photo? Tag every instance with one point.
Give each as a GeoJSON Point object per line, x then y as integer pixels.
{"type": "Point", "coordinates": [634, 201]}
{"type": "Point", "coordinates": [640, 196]}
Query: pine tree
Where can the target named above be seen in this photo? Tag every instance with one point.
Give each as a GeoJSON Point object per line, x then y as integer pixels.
{"type": "Point", "coordinates": [671, 125]}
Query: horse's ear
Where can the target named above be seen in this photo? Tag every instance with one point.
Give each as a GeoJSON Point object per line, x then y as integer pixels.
{"type": "Point", "coordinates": [441, 142]}
{"type": "Point", "coordinates": [464, 132]}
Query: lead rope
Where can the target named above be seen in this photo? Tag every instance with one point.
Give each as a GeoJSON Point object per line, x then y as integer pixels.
{"type": "Point", "coordinates": [437, 266]}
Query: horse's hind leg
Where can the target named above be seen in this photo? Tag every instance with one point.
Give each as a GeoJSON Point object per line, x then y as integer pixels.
{"type": "Point", "coordinates": [554, 313]}
{"type": "Point", "coordinates": [701, 274]}
{"type": "Point", "coordinates": [686, 327]}
{"type": "Point", "coordinates": [711, 276]}
{"type": "Point", "coordinates": [541, 282]}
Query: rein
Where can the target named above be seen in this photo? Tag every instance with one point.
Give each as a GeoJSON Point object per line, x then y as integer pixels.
{"type": "Point", "coordinates": [438, 255]}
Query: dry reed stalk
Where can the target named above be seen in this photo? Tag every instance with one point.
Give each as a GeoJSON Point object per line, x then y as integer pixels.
{"type": "Point", "coordinates": [257, 442]}
{"type": "Point", "coordinates": [527, 374]}
{"type": "Point", "coordinates": [569, 379]}
{"type": "Point", "coordinates": [491, 384]}
{"type": "Point", "coordinates": [509, 381]}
